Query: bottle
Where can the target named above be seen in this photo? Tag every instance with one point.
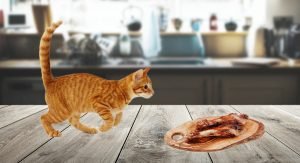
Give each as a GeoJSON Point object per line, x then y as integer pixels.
{"type": "Point", "coordinates": [213, 22]}
{"type": "Point", "coordinates": [1, 19]}
{"type": "Point", "coordinates": [125, 44]}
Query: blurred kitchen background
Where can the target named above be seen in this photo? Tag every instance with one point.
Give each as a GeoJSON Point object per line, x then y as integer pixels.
{"type": "Point", "coordinates": [200, 51]}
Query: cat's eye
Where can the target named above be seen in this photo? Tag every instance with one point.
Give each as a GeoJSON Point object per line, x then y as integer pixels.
{"type": "Point", "coordinates": [146, 86]}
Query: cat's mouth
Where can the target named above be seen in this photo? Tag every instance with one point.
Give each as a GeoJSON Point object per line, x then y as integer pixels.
{"type": "Point", "coordinates": [149, 96]}
{"type": "Point", "coordinates": [146, 96]}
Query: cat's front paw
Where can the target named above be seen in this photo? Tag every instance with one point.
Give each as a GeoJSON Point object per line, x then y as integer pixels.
{"type": "Point", "coordinates": [105, 127]}
{"type": "Point", "coordinates": [54, 133]}
{"type": "Point", "coordinates": [116, 123]}
{"type": "Point", "coordinates": [92, 131]}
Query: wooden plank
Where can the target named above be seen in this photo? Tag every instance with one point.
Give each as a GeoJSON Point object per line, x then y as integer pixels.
{"type": "Point", "coordinates": [3, 106]}
{"type": "Point", "coordinates": [21, 138]}
{"type": "Point", "coordinates": [278, 123]}
{"type": "Point", "coordinates": [293, 109]}
{"type": "Point", "coordinates": [13, 113]}
{"type": "Point", "coordinates": [265, 149]}
{"type": "Point", "coordinates": [145, 142]}
{"type": "Point", "coordinates": [76, 146]}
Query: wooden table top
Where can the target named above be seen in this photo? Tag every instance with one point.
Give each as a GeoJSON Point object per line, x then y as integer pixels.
{"type": "Point", "coordinates": [139, 137]}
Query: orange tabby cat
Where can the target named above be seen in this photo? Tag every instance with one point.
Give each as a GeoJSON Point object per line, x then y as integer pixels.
{"type": "Point", "coordinates": [70, 95]}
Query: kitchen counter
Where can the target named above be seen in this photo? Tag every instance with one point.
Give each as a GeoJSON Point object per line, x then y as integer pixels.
{"type": "Point", "coordinates": [209, 64]}
{"type": "Point", "coordinates": [139, 137]}
{"type": "Point", "coordinates": [215, 82]}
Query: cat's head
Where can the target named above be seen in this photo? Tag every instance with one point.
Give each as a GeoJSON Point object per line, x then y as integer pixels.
{"type": "Point", "coordinates": [142, 84]}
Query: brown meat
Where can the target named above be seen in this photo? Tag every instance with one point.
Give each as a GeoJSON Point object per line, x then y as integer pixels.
{"type": "Point", "coordinates": [224, 126]}
{"type": "Point", "coordinates": [232, 118]}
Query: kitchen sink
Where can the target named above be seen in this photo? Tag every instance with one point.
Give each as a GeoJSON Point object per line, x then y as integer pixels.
{"type": "Point", "coordinates": [163, 61]}
{"type": "Point", "coordinates": [172, 62]}
{"type": "Point", "coordinates": [177, 61]}
{"type": "Point", "coordinates": [158, 61]}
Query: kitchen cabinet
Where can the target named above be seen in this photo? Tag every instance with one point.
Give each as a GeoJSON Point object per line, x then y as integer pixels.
{"type": "Point", "coordinates": [172, 88]}
{"type": "Point", "coordinates": [21, 84]}
{"type": "Point", "coordinates": [256, 89]}
{"type": "Point", "coordinates": [180, 89]}
{"type": "Point", "coordinates": [22, 90]}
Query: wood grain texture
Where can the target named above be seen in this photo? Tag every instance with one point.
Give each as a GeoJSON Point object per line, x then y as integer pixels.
{"type": "Point", "coordinates": [145, 142]}
{"type": "Point", "coordinates": [3, 106]}
{"type": "Point", "coordinates": [21, 138]}
{"type": "Point", "coordinates": [24, 136]}
{"type": "Point", "coordinates": [278, 123]}
{"type": "Point", "coordinates": [76, 146]}
{"type": "Point", "coordinates": [265, 149]}
{"type": "Point", "coordinates": [293, 109]}
{"type": "Point", "coordinates": [14, 113]}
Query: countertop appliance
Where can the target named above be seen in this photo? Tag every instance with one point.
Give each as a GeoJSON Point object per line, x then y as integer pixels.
{"type": "Point", "coordinates": [16, 20]}
{"type": "Point", "coordinates": [293, 42]}
{"type": "Point", "coordinates": [284, 45]}
{"type": "Point", "coordinates": [282, 41]}
{"type": "Point", "coordinates": [83, 49]}
{"type": "Point", "coordinates": [282, 24]}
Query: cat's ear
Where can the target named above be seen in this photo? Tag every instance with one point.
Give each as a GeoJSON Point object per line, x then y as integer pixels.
{"type": "Point", "coordinates": [138, 75]}
{"type": "Point", "coordinates": [146, 70]}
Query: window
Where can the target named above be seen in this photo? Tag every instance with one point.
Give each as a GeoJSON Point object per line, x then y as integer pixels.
{"type": "Point", "coordinates": [106, 15]}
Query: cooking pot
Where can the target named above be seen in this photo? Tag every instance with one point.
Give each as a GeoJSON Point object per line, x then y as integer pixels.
{"type": "Point", "coordinates": [132, 18]}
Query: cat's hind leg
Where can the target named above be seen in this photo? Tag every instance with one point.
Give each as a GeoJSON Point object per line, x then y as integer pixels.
{"type": "Point", "coordinates": [75, 121]}
{"type": "Point", "coordinates": [47, 120]}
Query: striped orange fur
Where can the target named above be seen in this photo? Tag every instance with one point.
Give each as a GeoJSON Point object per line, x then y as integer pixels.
{"type": "Point", "coordinates": [71, 95]}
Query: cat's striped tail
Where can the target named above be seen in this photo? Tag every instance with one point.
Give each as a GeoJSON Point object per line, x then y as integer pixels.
{"type": "Point", "coordinates": [45, 53]}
